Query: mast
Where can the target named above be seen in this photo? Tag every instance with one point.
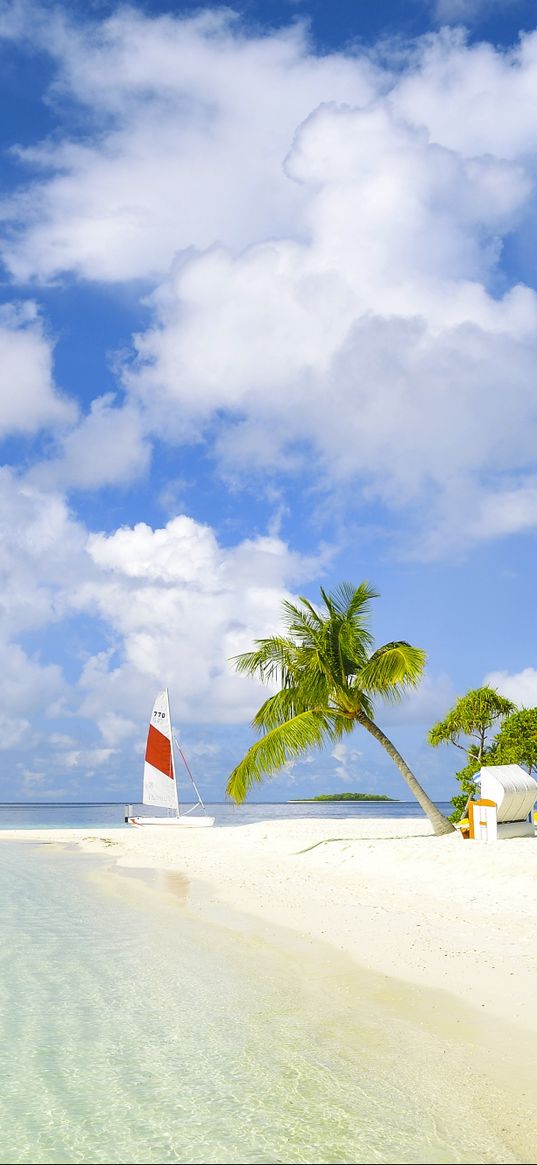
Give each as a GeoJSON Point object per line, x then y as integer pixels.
{"type": "Point", "coordinates": [187, 767]}
{"type": "Point", "coordinates": [172, 755]}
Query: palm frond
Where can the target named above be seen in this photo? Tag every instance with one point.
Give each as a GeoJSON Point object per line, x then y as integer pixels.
{"type": "Point", "coordinates": [272, 659]}
{"type": "Point", "coordinates": [279, 708]}
{"type": "Point", "coordinates": [349, 601]}
{"type": "Point", "coordinates": [314, 616]}
{"type": "Point", "coordinates": [391, 669]}
{"type": "Point", "coordinates": [286, 742]}
{"type": "Point", "coordinates": [303, 624]}
{"type": "Point", "coordinates": [307, 688]}
{"type": "Point", "coordinates": [347, 639]}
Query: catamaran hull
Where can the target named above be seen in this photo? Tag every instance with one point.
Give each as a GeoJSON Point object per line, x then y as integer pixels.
{"type": "Point", "coordinates": [185, 820]}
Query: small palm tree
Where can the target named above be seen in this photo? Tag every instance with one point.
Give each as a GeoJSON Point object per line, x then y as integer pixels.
{"type": "Point", "coordinates": [328, 674]}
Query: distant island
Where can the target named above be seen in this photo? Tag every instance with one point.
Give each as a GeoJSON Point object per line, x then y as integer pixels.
{"type": "Point", "coordinates": [342, 797]}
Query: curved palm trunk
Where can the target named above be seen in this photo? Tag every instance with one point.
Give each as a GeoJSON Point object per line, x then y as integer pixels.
{"type": "Point", "coordinates": [439, 823]}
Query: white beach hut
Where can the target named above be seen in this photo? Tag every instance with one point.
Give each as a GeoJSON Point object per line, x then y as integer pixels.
{"type": "Point", "coordinates": [505, 805]}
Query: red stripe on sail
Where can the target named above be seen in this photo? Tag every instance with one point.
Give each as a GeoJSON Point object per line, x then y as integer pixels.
{"type": "Point", "coordinates": [159, 752]}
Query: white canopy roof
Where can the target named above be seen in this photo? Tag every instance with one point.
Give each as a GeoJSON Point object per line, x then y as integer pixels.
{"type": "Point", "coordinates": [513, 790]}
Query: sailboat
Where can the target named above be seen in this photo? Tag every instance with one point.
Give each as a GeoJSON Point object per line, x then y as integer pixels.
{"type": "Point", "coordinates": [160, 778]}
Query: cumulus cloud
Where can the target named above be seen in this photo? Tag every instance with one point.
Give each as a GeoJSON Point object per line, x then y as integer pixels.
{"type": "Point", "coordinates": [475, 99]}
{"type": "Point", "coordinates": [29, 687]}
{"type": "Point", "coordinates": [520, 687]}
{"type": "Point", "coordinates": [169, 606]}
{"type": "Point", "coordinates": [41, 557]}
{"type": "Point", "coordinates": [385, 306]}
{"type": "Point", "coordinates": [180, 606]}
{"type": "Point", "coordinates": [340, 286]}
{"type": "Point", "coordinates": [29, 399]}
{"type": "Point", "coordinates": [107, 447]}
{"type": "Point", "coordinates": [376, 341]}
{"type": "Point", "coordinates": [42, 554]}
{"type": "Point", "coordinates": [197, 118]}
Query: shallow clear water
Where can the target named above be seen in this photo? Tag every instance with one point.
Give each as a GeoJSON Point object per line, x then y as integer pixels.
{"type": "Point", "coordinates": [130, 1032]}
{"type": "Point", "coordinates": [76, 815]}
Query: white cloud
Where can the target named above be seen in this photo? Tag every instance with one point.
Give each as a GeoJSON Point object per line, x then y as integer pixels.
{"type": "Point", "coordinates": [383, 313]}
{"type": "Point", "coordinates": [197, 118]}
{"type": "Point", "coordinates": [505, 511]}
{"type": "Point", "coordinates": [347, 758]}
{"type": "Point", "coordinates": [339, 293]}
{"type": "Point", "coordinates": [468, 11]}
{"type": "Point", "coordinates": [475, 99]}
{"type": "Point", "coordinates": [28, 688]}
{"type": "Point", "coordinates": [521, 687]}
{"type": "Point", "coordinates": [172, 606]}
{"type": "Point", "coordinates": [29, 400]}
{"type": "Point", "coordinates": [180, 606]}
{"type": "Point", "coordinates": [116, 729]}
{"type": "Point", "coordinates": [107, 447]}
{"type": "Point", "coordinates": [381, 307]}
{"type": "Point", "coordinates": [86, 758]}
{"type": "Point", "coordinates": [423, 705]}
{"type": "Point", "coordinates": [13, 730]}
{"type": "Point", "coordinates": [42, 554]}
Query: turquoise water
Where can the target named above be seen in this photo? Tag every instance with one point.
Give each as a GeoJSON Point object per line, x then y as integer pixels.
{"type": "Point", "coordinates": [130, 1032]}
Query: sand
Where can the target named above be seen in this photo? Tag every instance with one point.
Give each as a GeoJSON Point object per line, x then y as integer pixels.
{"type": "Point", "coordinates": [434, 912]}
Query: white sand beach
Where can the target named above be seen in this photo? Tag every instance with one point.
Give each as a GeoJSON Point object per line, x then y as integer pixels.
{"type": "Point", "coordinates": [434, 912]}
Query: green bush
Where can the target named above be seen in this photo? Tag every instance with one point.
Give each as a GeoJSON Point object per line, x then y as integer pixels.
{"type": "Point", "coordinates": [469, 788]}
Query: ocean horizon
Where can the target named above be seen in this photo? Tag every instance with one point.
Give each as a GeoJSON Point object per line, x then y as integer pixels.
{"type": "Point", "coordinates": [95, 814]}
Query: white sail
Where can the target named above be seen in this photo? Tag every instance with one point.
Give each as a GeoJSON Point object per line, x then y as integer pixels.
{"type": "Point", "coordinates": [160, 778]}
{"type": "Point", "coordinates": [160, 786]}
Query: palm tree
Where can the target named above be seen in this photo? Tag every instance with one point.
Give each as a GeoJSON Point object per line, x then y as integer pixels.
{"type": "Point", "coordinates": [328, 674]}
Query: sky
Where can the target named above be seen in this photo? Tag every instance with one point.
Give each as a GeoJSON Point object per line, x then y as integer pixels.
{"type": "Point", "coordinates": [268, 322]}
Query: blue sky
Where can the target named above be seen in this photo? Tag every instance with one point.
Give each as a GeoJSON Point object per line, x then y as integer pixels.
{"type": "Point", "coordinates": [268, 321]}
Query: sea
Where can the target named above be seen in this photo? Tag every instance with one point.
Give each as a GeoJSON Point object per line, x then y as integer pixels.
{"type": "Point", "coordinates": [111, 813]}
{"type": "Point", "coordinates": [133, 1031]}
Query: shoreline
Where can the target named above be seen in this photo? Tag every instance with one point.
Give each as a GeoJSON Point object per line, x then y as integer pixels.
{"type": "Point", "coordinates": [438, 913]}
{"type": "Point", "coordinates": [423, 1056]}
